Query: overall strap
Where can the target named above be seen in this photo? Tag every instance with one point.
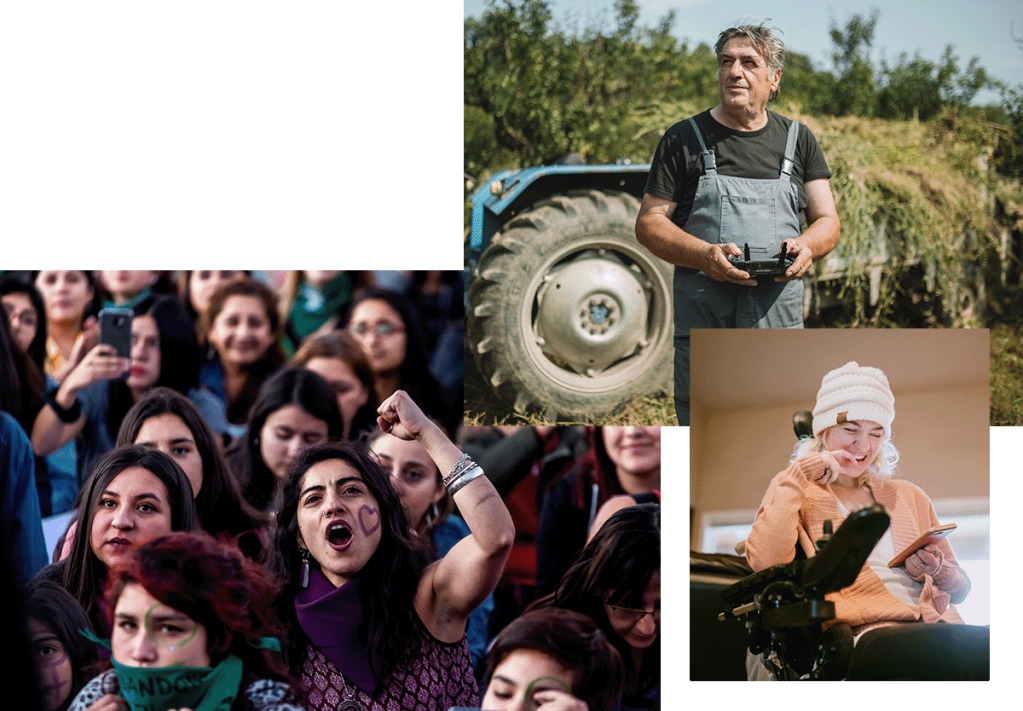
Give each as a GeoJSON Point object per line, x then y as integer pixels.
{"type": "Point", "coordinates": [710, 165]}
{"type": "Point", "coordinates": [790, 152]}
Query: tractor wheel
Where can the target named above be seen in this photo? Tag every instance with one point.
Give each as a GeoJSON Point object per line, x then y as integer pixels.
{"type": "Point", "coordinates": [568, 314]}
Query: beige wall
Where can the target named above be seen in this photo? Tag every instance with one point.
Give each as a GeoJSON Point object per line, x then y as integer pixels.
{"type": "Point", "coordinates": [747, 384]}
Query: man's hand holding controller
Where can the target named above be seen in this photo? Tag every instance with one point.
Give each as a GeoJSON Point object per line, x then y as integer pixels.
{"type": "Point", "coordinates": [717, 264]}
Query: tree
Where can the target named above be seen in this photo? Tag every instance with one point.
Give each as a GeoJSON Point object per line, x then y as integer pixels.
{"type": "Point", "coordinates": [854, 91]}
{"type": "Point", "coordinates": [543, 91]}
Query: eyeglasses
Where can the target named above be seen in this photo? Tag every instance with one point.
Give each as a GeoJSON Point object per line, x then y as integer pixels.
{"type": "Point", "coordinates": [632, 616]}
{"type": "Point", "coordinates": [381, 328]}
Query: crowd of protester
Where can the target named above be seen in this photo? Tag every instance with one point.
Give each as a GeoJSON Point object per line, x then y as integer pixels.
{"type": "Point", "coordinates": [272, 504]}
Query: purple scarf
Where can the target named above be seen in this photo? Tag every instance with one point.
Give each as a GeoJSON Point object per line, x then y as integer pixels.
{"type": "Point", "coordinates": [330, 618]}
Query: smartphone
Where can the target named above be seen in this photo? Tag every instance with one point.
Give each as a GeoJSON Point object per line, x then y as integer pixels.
{"type": "Point", "coordinates": [932, 535]}
{"type": "Point", "coordinates": [115, 330]}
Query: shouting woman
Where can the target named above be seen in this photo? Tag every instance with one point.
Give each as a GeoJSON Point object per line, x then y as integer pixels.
{"type": "Point", "coordinates": [375, 627]}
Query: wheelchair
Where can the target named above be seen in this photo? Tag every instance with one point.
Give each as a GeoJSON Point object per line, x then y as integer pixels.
{"type": "Point", "coordinates": [781, 613]}
{"type": "Point", "coordinates": [785, 607]}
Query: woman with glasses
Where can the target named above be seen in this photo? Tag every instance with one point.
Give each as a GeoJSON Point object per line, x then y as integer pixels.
{"type": "Point", "coordinates": [388, 327]}
{"type": "Point", "coordinates": [616, 581]}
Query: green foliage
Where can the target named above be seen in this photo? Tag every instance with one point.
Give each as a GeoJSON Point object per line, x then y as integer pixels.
{"type": "Point", "coordinates": [853, 92]}
{"type": "Point", "coordinates": [536, 90]}
{"type": "Point", "coordinates": [542, 91]}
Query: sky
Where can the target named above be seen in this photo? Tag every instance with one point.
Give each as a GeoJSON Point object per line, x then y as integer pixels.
{"type": "Point", "coordinates": [980, 28]}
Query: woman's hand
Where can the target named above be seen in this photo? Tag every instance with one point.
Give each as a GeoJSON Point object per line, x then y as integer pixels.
{"type": "Point", "coordinates": [833, 462]}
{"type": "Point", "coordinates": [109, 702]}
{"type": "Point", "coordinates": [101, 363]}
{"type": "Point", "coordinates": [558, 700]}
{"type": "Point", "coordinates": [926, 561]}
{"type": "Point", "coordinates": [401, 417]}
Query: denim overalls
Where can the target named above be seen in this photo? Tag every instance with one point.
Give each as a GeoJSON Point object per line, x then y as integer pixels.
{"type": "Point", "coordinates": [761, 213]}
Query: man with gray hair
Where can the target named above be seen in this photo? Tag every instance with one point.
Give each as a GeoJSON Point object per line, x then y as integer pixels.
{"type": "Point", "coordinates": [734, 182]}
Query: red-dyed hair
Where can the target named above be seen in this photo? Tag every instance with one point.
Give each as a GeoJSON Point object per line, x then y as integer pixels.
{"type": "Point", "coordinates": [213, 584]}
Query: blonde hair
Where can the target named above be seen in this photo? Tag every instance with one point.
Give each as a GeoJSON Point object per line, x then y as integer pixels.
{"type": "Point", "coordinates": [883, 467]}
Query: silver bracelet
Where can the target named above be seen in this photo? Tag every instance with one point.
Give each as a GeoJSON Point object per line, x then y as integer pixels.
{"type": "Point", "coordinates": [465, 478]}
{"type": "Point", "coordinates": [461, 467]}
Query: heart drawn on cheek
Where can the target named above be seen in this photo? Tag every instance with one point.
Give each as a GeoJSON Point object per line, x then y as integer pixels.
{"type": "Point", "coordinates": [369, 519]}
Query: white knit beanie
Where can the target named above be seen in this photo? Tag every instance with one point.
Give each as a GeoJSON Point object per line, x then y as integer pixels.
{"type": "Point", "coordinates": [854, 393]}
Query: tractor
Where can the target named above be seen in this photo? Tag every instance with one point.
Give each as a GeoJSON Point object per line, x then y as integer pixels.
{"type": "Point", "coordinates": [568, 315]}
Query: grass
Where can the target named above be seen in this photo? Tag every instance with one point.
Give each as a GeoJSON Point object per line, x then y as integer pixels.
{"type": "Point", "coordinates": [1006, 324]}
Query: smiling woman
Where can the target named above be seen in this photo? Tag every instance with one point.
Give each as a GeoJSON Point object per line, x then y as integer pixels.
{"type": "Point", "coordinates": [852, 426]}
{"type": "Point", "coordinates": [849, 463]}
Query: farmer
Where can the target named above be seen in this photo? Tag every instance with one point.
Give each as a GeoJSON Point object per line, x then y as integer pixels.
{"type": "Point", "coordinates": [734, 175]}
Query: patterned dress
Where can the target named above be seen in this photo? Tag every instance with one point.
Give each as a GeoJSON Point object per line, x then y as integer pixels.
{"type": "Point", "coordinates": [439, 677]}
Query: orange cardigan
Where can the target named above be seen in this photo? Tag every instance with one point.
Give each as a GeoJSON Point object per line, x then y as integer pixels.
{"type": "Point", "coordinates": [794, 510]}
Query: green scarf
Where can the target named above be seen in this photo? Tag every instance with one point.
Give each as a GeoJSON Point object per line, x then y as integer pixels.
{"type": "Point", "coordinates": [132, 302]}
{"type": "Point", "coordinates": [196, 688]}
{"type": "Point", "coordinates": [313, 308]}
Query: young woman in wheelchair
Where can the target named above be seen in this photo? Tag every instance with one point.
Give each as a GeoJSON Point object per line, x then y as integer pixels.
{"type": "Point", "coordinates": [849, 463]}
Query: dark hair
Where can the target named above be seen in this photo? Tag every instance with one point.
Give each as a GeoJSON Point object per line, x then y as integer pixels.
{"type": "Point", "coordinates": [414, 374]}
{"type": "Point", "coordinates": [83, 572]}
{"type": "Point", "coordinates": [213, 584]}
{"type": "Point", "coordinates": [21, 382]}
{"type": "Point", "coordinates": [219, 503]}
{"type": "Point", "coordinates": [575, 642]}
{"type": "Point", "coordinates": [179, 355]}
{"type": "Point", "coordinates": [340, 345]}
{"type": "Point", "coordinates": [270, 361]}
{"type": "Point", "coordinates": [185, 294]}
{"type": "Point", "coordinates": [12, 285]}
{"type": "Point", "coordinates": [93, 307]}
{"type": "Point", "coordinates": [445, 506]}
{"type": "Point", "coordinates": [55, 609]}
{"type": "Point", "coordinates": [290, 386]}
{"type": "Point", "coordinates": [616, 565]}
{"type": "Point", "coordinates": [388, 581]}
{"type": "Point", "coordinates": [179, 349]}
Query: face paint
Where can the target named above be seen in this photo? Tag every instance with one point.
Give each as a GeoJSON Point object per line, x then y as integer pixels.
{"type": "Point", "coordinates": [548, 682]}
{"type": "Point", "coordinates": [53, 664]}
{"type": "Point", "coordinates": [369, 519]}
{"type": "Point", "coordinates": [149, 633]}
{"type": "Point", "coordinates": [166, 637]}
{"type": "Point", "coordinates": [198, 687]}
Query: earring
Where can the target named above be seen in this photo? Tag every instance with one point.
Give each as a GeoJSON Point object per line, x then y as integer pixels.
{"type": "Point", "coordinates": [431, 514]}
{"type": "Point", "coordinates": [304, 552]}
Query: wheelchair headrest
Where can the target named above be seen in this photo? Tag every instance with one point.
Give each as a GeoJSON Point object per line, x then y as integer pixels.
{"type": "Point", "coordinates": [802, 423]}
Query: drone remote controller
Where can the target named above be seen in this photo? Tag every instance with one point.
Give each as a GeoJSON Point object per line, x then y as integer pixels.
{"type": "Point", "coordinates": [763, 265]}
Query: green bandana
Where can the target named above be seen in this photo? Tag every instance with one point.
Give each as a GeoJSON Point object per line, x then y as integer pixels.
{"type": "Point", "coordinates": [196, 688]}
{"type": "Point", "coordinates": [313, 308]}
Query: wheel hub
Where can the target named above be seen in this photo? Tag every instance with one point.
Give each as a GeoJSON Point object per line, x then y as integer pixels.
{"type": "Point", "coordinates": [591, 312]}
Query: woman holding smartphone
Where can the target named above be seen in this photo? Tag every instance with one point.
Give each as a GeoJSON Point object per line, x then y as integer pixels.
{"type": "Point", "coordinates": [847, 464]}
{"type": "Point", "coordinates": [96, 395]}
